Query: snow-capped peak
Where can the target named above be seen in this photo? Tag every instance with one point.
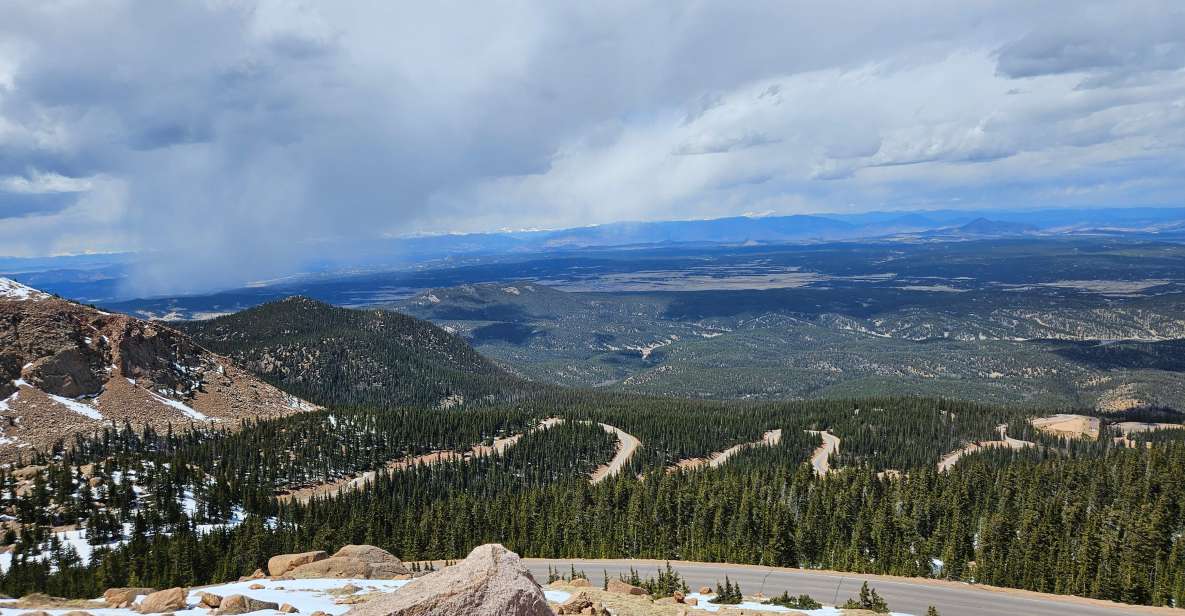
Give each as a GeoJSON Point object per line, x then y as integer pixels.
{"type": "Point", "coordinates": [11, 289]}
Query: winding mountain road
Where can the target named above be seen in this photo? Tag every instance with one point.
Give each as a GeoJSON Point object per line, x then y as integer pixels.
{"type": "Point", "coordinates": [716, 460]}
{"type": "Point", "coordinates": [821, 459]}
{"type": "Point", "coordinates": [627, 444]}
{"type": "Point", "coordinates": [908, 595]}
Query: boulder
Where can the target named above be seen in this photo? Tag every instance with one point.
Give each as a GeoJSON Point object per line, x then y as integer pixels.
{"type": "Point", "coordinates": [256, 586]}
{"type": "Point", "coordinates": [382, 564]}
{"type": "Point", "coordinates": [706, 590]}
{"type": "Point", "coordinates": [257, 575]}
{"type": "Point", "coordinates": [123, 597]}
{"type": "Point", "coordinates": [209, 599]}
{"type": "Point", "coordinates": [581, 603]}
{"type": "Point", "coordinates": [161, 601]}
{"type": "Point", "coordinates": [678, 596]}
{"type": "Point", "coordinates": [335, 567]}
{"type": "Point", "coordinates": [283, 563]}
{"type": "Point", "coordinates": [621, 588]}
{"type": "Point", "coordinates": [288, 608]}
{"type": "Point", "coordinates": [37, 613]}
{"type": "Point", "coordinates": [77, 613]}
{"type": "Point", "coordinates": [26, 473]}
{"type": "Point", "coordinates": [241, 604]}
{"type": "Point", "coordinates": [692, 601]}
{"type": "Point", "coordinates": [491, 581]}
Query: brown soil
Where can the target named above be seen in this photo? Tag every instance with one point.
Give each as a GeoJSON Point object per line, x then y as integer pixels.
{"type": "Point", "coordinates": [356, 483]}
{"type": "Point", "coordinates": [627, 444]}
{"type": "Point", "coordinates": [1068, 426]}
{"type": "Point", "coordinates": [771, 439]}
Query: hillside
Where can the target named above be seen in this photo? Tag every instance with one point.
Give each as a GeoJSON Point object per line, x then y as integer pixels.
{"type": "Point", "coordinates": [341, 356]}
{"type": "Point", "coordinates": [67, 369]}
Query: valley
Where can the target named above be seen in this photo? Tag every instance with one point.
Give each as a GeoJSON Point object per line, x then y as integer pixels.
{"type": "Point", "coordinates": [605, 415]}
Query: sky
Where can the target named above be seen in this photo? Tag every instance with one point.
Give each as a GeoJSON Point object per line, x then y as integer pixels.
{"type": "Point", "coordinates": [226, 138]}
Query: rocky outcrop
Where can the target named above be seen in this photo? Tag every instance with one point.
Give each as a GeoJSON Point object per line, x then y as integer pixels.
{"type": "Point", "coordinates": [335, 567]}
{"type": "Point", "coordinates": [283, 563]}
{"type": "Point", "coordinates": [124, 597]}
{"type": "Point", "coordinates": [491, 581]}
{"type": "Point", "coordinates": [583, 604]}
{"type": "Point", "coordinates": [381, 564]}
{"type": "Point", "coordinates": [66, 368]}
{"type": "Point", "coordinates": [622, 588]}
{"type": "Point", "coordinates": [209, 599]}
{"type": "Point", "coordinates": [242, 604]}
{"type": "Point", "coordinates": [162, 601]}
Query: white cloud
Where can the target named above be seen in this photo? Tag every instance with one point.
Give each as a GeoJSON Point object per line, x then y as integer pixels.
{"type": "Point", "coordinates": [239, 131]}
{"type": "Point", "coordinates": [40, 183]}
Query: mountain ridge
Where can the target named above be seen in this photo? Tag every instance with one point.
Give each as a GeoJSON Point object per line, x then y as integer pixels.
{"type": "Point", "coordinates": [335, 355]}
{"type": "Point", "coordinates": [68, 369]}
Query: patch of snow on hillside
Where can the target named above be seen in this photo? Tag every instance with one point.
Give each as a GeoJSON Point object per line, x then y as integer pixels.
{"type": "Point", "coordinates": [11, 289]}
{"type": "Point", "coordinates": [307, 596]}
{"type": "Point", "coordinates": [77, 406]}
{"type": "Point", "coordinates": [189, 412]}
{"type": "Point", "coordinates": [12, 398]}
{"type": "Point", "coordinates": [511, 290]}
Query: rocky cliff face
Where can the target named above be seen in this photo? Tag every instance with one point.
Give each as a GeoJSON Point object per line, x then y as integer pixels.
{"type": "Point", "coordinates": [66, 368]}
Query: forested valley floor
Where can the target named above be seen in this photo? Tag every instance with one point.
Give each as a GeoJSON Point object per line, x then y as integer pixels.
{"type": "Point", "coordinates": [1091, 516]}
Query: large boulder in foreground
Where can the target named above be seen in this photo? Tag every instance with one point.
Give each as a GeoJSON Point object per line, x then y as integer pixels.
{"type": "Point", "coordinates": [242, 604]}
{"type": "Point", "coordinates": [382, 564]}
{"type": "Point", "coordinates": [161, 601]}
{"type": "Point", "coordinates": [335, 567]}
{"type": "Point", "coordinates": [491, 581]}
{"type": "Point", "coordinates": [283, 563]}
{"type": "Point", "coordinates": [124, 597]}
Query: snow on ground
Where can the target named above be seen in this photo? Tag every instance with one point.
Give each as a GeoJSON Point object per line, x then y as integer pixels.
{"type": "Point", "coordinates": [187, 410]}
{"type": "Point", "coordinates": [77, 406]}
{"type": "Point", "coordinates": [307, 596]}
{"type": "Point", "coordinates": [12, 398]}
{"type": "Point", "coordinates": [77, 539]}
{"type": "Point", "coordinates": [11, 289]}
{"type": "Point", "coordinates": [760, 607]}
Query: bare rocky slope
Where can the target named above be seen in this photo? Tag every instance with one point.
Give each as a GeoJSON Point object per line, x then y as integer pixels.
{"type": "Point", "coordinates": [66, 368]}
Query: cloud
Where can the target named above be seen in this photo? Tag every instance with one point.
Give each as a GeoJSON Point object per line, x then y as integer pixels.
{"type": "Point", "coordinates": [230, 139]}
{"type": "Point", "coordinates": [38, 183]}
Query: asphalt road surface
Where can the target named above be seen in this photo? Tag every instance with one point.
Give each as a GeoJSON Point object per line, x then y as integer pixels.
{"type": "Point", "coordinates": [902, 595]}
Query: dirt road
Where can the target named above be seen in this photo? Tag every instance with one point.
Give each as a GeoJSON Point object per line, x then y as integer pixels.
{"type": "Point", "coordinates": [770, 439]}
{"type": "Point", "coordinates": [953, 457]}
{"type": "Point", "coordinates": [356, 483]}
{"type": "Point", "coordinates": [627, 444]}
{"type": "Point", "coordinates": [821, 459]}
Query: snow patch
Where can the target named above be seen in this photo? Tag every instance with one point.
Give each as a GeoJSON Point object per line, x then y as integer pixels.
{"type": "Point", "coordinates": [187, 410]}
{"type": "Point", "coordinates": [11, 289]}
{"type": "Point", "coordinates": [77, 406]}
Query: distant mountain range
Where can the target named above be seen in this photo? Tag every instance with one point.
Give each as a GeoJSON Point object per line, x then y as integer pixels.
{"type": "Point", "coordinates": [104, 278]}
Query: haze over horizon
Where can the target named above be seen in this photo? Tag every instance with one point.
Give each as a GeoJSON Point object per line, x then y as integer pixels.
{"type": "Point", "coordinates": [228, 137]}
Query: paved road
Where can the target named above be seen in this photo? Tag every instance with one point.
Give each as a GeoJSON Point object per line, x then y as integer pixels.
{"type": "Point", "coordinates": [902, 594]}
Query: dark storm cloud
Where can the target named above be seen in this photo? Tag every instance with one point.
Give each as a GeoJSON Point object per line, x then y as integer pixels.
{"type": "Point", "coordinates": [230, 137]}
